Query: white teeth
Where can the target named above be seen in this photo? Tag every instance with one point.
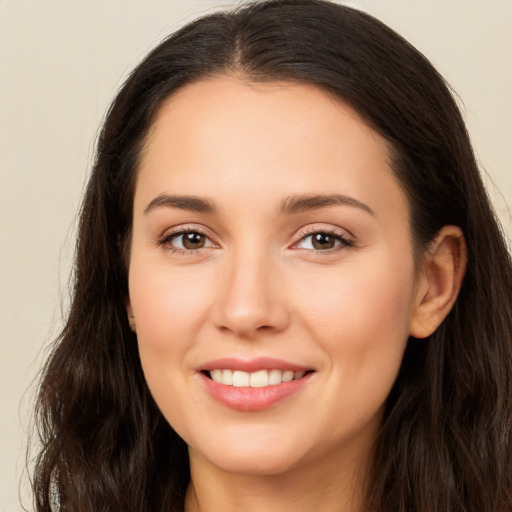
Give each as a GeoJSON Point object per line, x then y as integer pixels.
{"type": "Point", "coordinates": [287, 376]}
{"type": "Point", "coordinates": [227, 377]}
{"type": "Point", "coordinates": [259, 379]}
{"type": "Point", "coordinates": [216, 375]}
{"type": "Point", "coordinates": [240, 379]}
{"type": "Point", "coordinates": [275, 377]}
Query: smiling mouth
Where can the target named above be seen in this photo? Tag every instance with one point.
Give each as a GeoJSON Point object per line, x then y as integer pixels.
{"type": "Point", "coordinates": [258, 379]}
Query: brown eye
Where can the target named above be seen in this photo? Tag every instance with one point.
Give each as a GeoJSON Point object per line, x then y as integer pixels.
{"type": "Point", "coordinates": [186, 241]}
{"type": "Point", "coordinates": [323, 241]}
{"type": "Point", "coordinates": [193, 240]}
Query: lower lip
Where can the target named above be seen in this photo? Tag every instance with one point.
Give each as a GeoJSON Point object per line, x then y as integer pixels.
{"type": "Point", "coordinates": [252, 399]}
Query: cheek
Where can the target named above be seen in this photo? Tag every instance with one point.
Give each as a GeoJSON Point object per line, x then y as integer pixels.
{"type": "Point", "coordinates": [360, 319]}
{"type": "Point", "coordinates": [360, 314]}
{"type": "Point", "coordinates": [168, 304]}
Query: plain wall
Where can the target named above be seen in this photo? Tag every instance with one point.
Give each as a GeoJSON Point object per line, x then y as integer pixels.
{"type": "Point", "coordinates": [60, 65]}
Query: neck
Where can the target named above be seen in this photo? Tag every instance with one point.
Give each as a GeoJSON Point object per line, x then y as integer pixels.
{"type": "Point", "coordinates": [334, 487]}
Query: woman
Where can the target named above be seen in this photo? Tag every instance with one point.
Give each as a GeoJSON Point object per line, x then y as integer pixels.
{"type": "Point", "coordinates": [290, 287]}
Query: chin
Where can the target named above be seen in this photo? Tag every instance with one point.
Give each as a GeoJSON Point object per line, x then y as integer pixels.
{"type": "Point", "coordinates": [264, 456]}
{"type": "Point", "coordinates": [261, 464]}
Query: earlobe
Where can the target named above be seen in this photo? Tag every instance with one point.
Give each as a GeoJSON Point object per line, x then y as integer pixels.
{"type": "Point", "coordinates": [440, 281]}
{"type": "Point", "coordinates": [131, 317]}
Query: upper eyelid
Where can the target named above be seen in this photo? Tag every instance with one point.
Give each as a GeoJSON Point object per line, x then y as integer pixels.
{"type": "Point", "coordinates": [185, 228]}
{"type": "Point", "coordinates": [347, 239]}
{"type": "Point", "coordinates": [181, 229]}
{"type": "Point", "coordinates": [301, 233]}
{"type": "Point", "coordinates": [311, 229]}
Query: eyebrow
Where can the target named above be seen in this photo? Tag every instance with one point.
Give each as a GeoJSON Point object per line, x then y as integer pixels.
{"type": "Point", "coordinates": [188, 203]}
{"type": "Point", "coordinates": [302, 203]}
{"type": "Point", "coordinates": [289, 206]}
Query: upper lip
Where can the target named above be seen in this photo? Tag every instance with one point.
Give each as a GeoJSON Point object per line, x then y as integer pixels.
{"type": "Point", "coordinates": [252, 365]}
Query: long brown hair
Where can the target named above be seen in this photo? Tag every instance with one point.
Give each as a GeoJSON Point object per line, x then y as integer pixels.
{"type": "Point", "coordinates": [445, 442]}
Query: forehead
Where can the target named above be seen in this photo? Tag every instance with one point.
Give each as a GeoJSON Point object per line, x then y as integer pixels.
{"type": "Point", "coordinates": [220, 109]}
{"type": "Point", "coordinates": [225, 134]}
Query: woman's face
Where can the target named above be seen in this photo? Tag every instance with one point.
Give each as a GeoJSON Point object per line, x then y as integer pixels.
{"type": "Point", "coordinates": [270, 242]}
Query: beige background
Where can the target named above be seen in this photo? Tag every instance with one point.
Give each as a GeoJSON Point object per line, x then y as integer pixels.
{"type": "Point", "coordinates": [60, 64]}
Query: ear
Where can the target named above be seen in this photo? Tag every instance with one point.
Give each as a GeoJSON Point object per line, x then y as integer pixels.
{"type": "Point", "coordinates": [439, 282]}
{"type": "Point", "coordinates": [131, 318]}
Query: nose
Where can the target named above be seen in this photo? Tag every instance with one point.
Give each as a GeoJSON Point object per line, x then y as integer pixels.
{"type": "Point", "coordinates": [251, 299]}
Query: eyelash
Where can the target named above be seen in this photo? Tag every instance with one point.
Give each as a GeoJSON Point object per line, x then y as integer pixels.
{"type": "Point", "coordinates": [345, 242]}
{"type": "Point", "coordinates": [166, 240]}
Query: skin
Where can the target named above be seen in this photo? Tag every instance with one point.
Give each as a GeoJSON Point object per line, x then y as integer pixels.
{"type": "Point", "coordinates": [258, 287]}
